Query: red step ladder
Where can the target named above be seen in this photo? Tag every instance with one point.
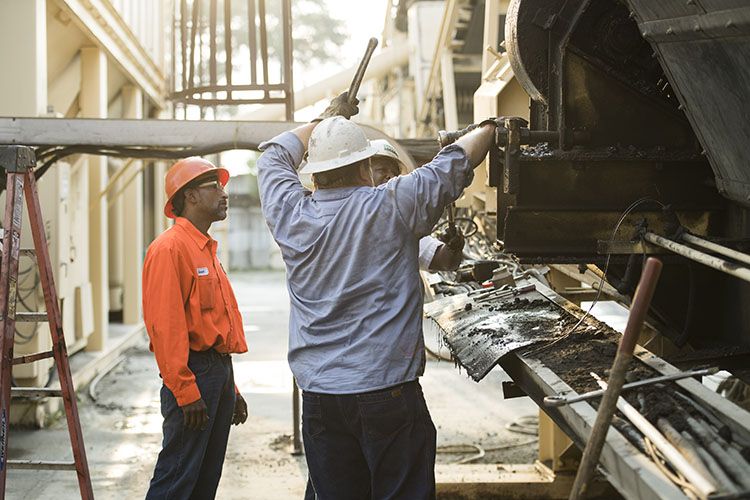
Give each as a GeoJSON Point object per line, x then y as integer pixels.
{"type": "Point", "coordinates": [19, 162]}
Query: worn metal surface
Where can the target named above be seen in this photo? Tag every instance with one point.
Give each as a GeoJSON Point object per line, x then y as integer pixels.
{"type": "Point", "coordinates": [737, 419]}
{"type": "Point", "coordinates": [527, 35]}
{"type": "Point", "coordinates": [704, 48]}
{"type": "Point", "coordinates": [628, 470]}
{"type": "Point", "coordinates": [614, 180]}
{"type": "Point", "coordinates": [622, 134]}
{"type": "Point", "coordinates": [480, 332]}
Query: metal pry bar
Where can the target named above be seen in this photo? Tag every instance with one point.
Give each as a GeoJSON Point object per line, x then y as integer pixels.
{"type": "Point", "coordinates": [560, 400]}
{"type": "Point", "coordinates": [359, 75]}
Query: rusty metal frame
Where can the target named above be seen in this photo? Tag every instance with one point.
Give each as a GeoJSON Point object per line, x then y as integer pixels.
{"type": "Point", "coordinates": [196, 88]}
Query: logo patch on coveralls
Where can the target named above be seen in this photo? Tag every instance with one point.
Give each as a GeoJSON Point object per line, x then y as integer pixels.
{"type": "Point", "coordinates": [202, 271]}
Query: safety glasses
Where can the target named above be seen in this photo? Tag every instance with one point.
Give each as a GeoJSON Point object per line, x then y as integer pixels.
{"type": "Point", "coordinates": [212, 184]}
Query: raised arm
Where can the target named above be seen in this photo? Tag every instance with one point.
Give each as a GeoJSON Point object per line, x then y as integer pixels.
{"type": "Point", "coordinates": [477, 143]}
{"type": "Point", "coordinates": [422, 195]}
{"type": "Point", "coordinates": [279, 184]}
{"type": "Point", "coordinates": [304, 132]}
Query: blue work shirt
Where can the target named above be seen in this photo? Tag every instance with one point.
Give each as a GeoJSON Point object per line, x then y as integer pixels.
{"type": "Point", "coordinates": [352, 270]}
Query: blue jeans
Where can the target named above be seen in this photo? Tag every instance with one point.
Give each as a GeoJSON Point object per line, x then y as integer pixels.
{"type": "Point", "coordinates": [190, 462]}
{"type": "Point", "coordinates": [373, 445]}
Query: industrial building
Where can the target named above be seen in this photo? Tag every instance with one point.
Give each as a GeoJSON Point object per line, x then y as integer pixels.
{"type": "Point", "coordinates": [620, 141]}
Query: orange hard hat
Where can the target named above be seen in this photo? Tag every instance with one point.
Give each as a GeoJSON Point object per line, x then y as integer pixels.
{"type": "Point", "coordinates": [184, 171]}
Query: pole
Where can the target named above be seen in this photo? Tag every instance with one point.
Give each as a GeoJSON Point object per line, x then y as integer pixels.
{"type": "Point", "coordinates": [638, 310]}
{"type": "Point", "coordinates": [296, 420]}
{"type": "Point", "coordinates": [702, 258]}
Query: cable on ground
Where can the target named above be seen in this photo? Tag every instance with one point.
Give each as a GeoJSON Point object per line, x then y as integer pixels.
{"type": "Point", "coordinates": [528, 424]}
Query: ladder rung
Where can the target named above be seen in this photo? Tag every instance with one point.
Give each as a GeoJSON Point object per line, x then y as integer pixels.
{"type": "Point", "coordinates": [31, 317]}
{"type": "Point", "coordinates": [27, 252]}
{"type": "Point", "coordinates": [41, 465]}
{"type": "Point", "coordinates": [34, 392]}
{"type": "Point", "coordinates": [33, 357]}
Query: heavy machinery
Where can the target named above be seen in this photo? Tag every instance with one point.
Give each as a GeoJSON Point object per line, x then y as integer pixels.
{"type": "Point", "coordinates": [635, 136]}
{"type": "Point", "coordinates": [646, 103]}
{"type": "Point", "coordinates": [635, 146]}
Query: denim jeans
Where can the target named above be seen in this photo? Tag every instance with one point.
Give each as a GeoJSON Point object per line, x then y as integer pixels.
{"type": "Point", "coordinates": [373, 445]}
{"type": "Point", "coordinates": [190, 462]}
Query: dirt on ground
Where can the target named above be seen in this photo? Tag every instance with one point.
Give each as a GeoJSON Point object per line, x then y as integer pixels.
{"type": "Point", "coordinates": [122, 426]}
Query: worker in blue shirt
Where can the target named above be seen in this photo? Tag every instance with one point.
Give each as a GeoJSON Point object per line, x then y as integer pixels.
{"type": "Point", "coordinates": [355, 326]}
{"type": "Point", "coordinates": [444, 254]}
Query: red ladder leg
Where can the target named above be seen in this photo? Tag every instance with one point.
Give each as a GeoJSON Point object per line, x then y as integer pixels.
{"type": "Point", "coordinates": [8, 293]}
{"type": "Point", "coordinates": [58, 338]}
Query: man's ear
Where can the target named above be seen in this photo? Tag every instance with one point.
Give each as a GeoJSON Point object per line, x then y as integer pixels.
{"type": "Point", "coordinates": [191, 196]}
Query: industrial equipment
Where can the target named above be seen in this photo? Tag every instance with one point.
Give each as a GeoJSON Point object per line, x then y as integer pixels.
{"type": "Point", "coordinates": [634, 147]}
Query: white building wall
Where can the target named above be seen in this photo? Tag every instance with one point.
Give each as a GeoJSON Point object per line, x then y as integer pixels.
{"type": "Point", "coordinates": [424, 22]}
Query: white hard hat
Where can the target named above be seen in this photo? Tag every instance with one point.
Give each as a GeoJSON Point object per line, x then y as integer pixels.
{"type": "Point", "coordinates": [335, 143]}
{"type": "Point", "coordinates": [386, 149]}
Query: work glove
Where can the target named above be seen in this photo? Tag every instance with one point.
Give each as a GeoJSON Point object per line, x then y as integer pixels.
{"type": "Point", "coordinates": [446, 137]}
{"type": "Point", "coordinates": [453, 239]}
{"type": "Point", "coordinates": [340, 106]}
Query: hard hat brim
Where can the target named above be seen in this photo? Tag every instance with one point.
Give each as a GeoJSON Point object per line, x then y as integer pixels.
{"type": "Point", "coordinates": [333, 164]}
{"type": "Point", "coordinates": [392, 154]}
{"type": "Point", "coordinates": [223, 174]}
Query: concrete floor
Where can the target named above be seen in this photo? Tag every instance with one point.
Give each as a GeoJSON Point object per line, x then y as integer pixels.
{"type": "Point", "coordinates": [122, 428]}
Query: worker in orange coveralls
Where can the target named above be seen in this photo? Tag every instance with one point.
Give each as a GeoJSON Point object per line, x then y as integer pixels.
{"type": "Point", "coordinates": [194, 324]}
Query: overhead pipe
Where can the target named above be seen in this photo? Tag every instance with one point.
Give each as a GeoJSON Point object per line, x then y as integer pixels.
{"type": "Point", "coordinates": [711, 261]}
{"type": "Point", "coordinates": [179, 136]}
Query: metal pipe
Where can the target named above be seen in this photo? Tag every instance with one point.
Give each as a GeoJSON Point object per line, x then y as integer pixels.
{"type": "Point", "coordinates": [286, 17]}
{"type": "Point", "coordinates": [183, 42]}
{"type": "Point", "coordinates": [193, 35]}
{"type": "Point", "coordinates": [687, 448]}
{"type": "Point", "coordinates": [713, 247]}
{"type": "Point", "coordinates": [611, 399]}
{"type": "Point", "coordinates": [173, 76]}
{"type": "Point", "coordinates": [212, 16]}
{"type": "Point", "coordinates": [263, 40]}
{"type": "Point", "coordinates": [252, 41]}
{"type": "Point", "coordinates": [673, 456]}
{"type": "Point", "coordinates": [228, 45]}
{"type": "Point", "coordinates": [739, 471]}
{"type": "Point", "coordinates": [296, 420]}
{"type": "Point", "coordinates": [703, 258]}
{"type": "Point", "coordinates": [560, 400]}
{"type": "Point", "coordinates": [360, 73]}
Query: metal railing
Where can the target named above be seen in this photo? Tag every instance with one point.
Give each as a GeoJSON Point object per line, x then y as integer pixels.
{"type": "Point", "coordinates": [206, 52]}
